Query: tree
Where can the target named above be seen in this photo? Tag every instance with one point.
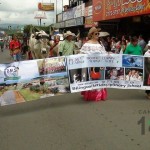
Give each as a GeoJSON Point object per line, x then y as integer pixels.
{"type": "Point", "coordinates": [28, 29]}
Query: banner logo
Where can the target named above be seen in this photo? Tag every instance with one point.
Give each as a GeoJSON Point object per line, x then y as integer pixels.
{"type": "Point", "coordinates": [11, 73]}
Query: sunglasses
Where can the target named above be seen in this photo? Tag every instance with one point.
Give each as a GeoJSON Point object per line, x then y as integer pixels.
{"type": "Point", "coordinates": [97, 33]}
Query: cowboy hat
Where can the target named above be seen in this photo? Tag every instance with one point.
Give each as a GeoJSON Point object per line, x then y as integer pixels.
{"type": "Point", "coordinates": [103, 34]}
{"type": "Point", "coordinates": [93, 29]}
{"type": "Point", "coordinates": [68, 33]}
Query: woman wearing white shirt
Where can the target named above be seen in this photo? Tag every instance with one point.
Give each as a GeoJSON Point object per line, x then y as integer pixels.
{"type": "Point", "coordinates": [94, 47]}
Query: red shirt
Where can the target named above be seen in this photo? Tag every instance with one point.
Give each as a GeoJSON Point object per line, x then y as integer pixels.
{"type": "Point", "coordinates": [14, 44]}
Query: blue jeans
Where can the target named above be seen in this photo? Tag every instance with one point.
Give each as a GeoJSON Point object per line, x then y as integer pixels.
{"type": "Point", "coordinates": [17, 57]}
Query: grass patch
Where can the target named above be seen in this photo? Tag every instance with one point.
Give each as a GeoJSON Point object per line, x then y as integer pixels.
{"type": "Point", "coordinates": [28, 95]}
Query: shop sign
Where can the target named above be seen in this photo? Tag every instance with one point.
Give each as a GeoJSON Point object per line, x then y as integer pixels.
{"type": "Point", "coordinates": [69, 14]}
{"type": "Point", "coordinates": [113, 9]}
{"type": "Point", "coordinates": [40, 15]}
{"type": "Point", "coordinates": [74, 22]}
{"type": "Point", "coordinates": [59, 25]}
{"type": "Point", "coordinates": [88, 11]}
{"type": "Point", "coordinates": [70, 23]}
{"type": "Point", "coordinates": [46, 6]}
{"type": "Point", "coordinates": [80, 10]}
{"type": "Point", "coordinates": [79, 21]}
{"type": "Point", "coordinates": [89, 22]}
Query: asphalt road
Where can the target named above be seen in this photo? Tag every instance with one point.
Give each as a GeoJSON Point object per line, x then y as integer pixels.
{"type": "Point", "coordinates": [69, 123]}
{"type": "Point", "coordinates": [5, 56]}
{"type": "Point", "coordinates": [8, 98]}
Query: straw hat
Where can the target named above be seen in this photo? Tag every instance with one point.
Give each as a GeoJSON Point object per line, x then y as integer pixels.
{"type": "Point", "coordinates": [92, 30]}
{"type": "Point", "coordinates": [68, 33]}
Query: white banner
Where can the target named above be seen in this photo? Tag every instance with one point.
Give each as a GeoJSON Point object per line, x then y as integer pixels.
{"type": "Point", "coordinates": [87, 72]}
{"type": "Point", "coordinates": [30, 80]}
{"type": "Point", "coordinates": [104, 60]}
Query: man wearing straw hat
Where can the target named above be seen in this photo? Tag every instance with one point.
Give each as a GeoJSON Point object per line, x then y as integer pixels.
{"type": "Point", "coordinates": [67, 47]}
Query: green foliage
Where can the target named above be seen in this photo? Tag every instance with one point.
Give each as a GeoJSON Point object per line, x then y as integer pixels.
{"type": "Point", "coordinates": [35, 88]}
{"type": "Point", "coordinates": [31, 88]}
{"type": "Point", "coordinates": [30, 29]}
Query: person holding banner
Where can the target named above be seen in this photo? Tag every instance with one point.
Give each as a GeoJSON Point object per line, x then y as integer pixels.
{"type": "Point", "coordinates": [133, 48]}
{"type": "Point", "coordinates": [54, 46]}
{"type": "Point", "coordinates": [92, 46]}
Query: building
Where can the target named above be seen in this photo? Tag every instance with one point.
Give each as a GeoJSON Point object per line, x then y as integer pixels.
{"type": "Point", "coordinates": [73, 17]}
{"type": "Point", "coordinates": [123, 16]}
{"type": "Point", "coordinates": [120, 17]}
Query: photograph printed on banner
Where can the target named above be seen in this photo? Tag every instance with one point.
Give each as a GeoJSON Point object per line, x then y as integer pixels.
{"type": "Point", "coordinates": [133, 74]}
{"type": "Point", "coordinates": [114, 73]}
{"type": "Point", "coordinates": [22, 82]}
{"type": "Point", "coordinates": [132, 61]}
{"type": "Point", "coordinates": [34, 89]}
{"type": "Point", "coordinates": [51, 65]}
{"type": "Point", "coordinates": [96, 73]}
{"type": "Point", "coordinates": [78, 75]}
{"type": "Point", "coordinates": [146, 71]}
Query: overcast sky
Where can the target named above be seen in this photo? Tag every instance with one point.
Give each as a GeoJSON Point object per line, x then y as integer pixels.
{"type": "Point", "coordinates": [23, 11]}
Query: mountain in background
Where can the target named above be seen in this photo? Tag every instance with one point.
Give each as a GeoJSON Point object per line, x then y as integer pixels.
{"type": "Point", "coordinates": [13, 26]}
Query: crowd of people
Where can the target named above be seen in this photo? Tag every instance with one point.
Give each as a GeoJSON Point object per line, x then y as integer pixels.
{"type": "Point", "coordinates": [72, 45]}
{"type": "Point", "coordinates": [94, 43]}
{"type": "Point", "coordinates": [97, 44]}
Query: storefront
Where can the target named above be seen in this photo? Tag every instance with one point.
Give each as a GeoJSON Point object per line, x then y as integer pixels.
{"type": "Point", "coordinates": [131, 14]}
{"type": "Point", "coordinates": [72, 20]}
{"type": "Point", "coordinates": [75, 25]}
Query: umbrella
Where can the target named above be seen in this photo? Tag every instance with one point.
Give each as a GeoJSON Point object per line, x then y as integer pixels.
{"type": "Point", "coordinates": [103, 34]}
